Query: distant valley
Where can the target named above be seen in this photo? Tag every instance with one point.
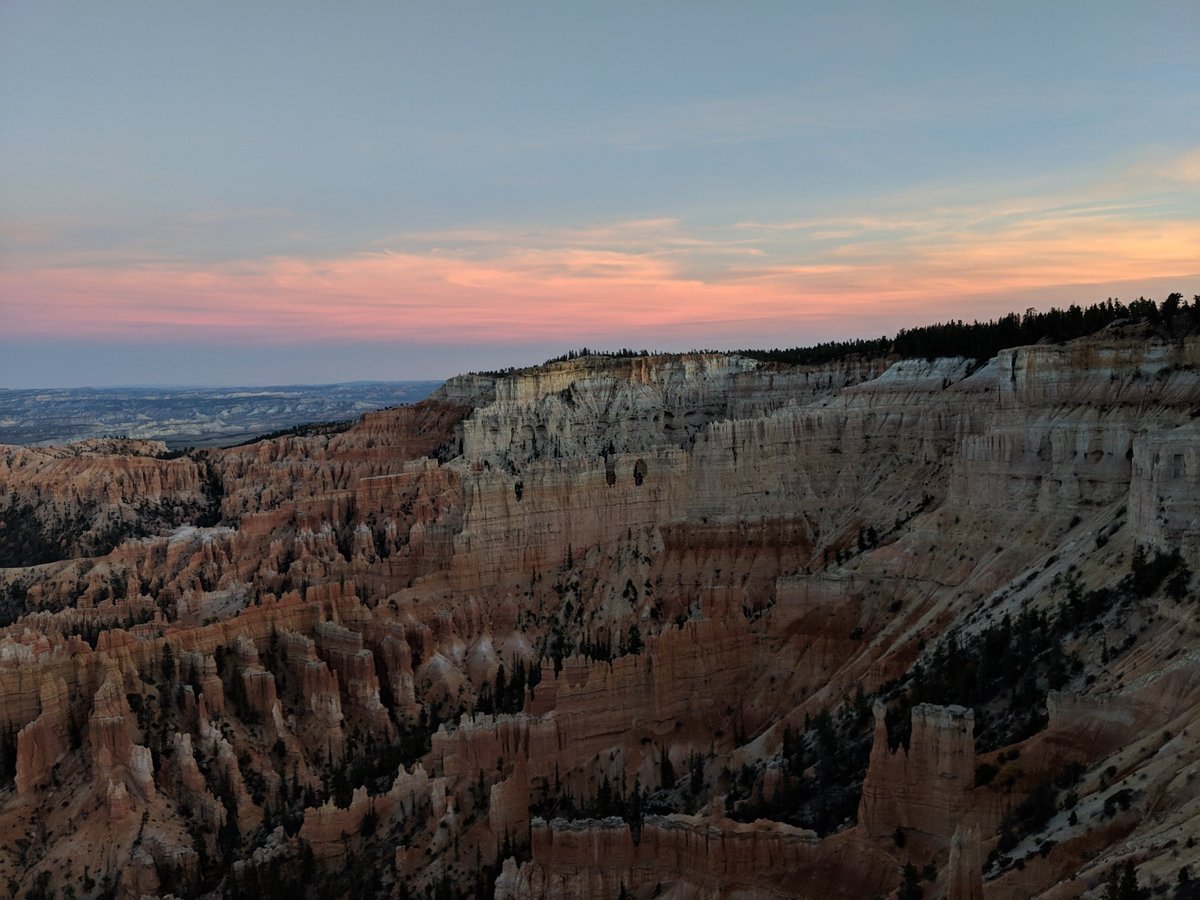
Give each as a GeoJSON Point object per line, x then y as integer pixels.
{"type": "Point", "coordinates": [190, 416]}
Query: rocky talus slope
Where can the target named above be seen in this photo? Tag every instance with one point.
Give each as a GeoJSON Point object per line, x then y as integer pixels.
{"type": "Point", "coordinates": [693, 627]}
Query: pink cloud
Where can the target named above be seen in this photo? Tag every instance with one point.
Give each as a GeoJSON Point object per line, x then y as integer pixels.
{"type": "Point", "coordinates": [592, 286]}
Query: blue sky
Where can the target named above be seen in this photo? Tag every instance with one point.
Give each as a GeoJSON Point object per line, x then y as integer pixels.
{"type": "Point", "coordinates": [255, 192]}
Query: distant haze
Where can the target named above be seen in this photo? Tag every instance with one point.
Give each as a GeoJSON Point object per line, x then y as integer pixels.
{"type": "Point", "coordinates": [189, 417]}
{"type": "Point", "coordinates": [273, 192]}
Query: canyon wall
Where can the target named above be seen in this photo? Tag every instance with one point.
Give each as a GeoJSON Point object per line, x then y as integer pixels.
{"type": "Point", "coordinates": [619, 624]}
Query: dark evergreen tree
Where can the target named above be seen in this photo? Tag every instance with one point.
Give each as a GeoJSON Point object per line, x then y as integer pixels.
{"type": "Point", "coordinates": [666, 771]}
{"type": "Point", "coordinates": [635, 644]}
{"type": "Point", "coordinates": [910, 884]}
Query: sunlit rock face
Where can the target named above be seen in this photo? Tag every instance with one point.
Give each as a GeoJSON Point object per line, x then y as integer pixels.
{"type": "Point", "coordinates": [686, 626]}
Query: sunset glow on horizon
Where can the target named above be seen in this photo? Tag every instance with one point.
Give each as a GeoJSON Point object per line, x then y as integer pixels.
{"type": "Point", "coordinates": [476, 187]}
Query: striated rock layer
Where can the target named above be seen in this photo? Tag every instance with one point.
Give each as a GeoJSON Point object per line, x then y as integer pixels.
{"type": "Point", "coordinates": [926, 786]}
{"type": "Point", "coordinates": [620, 624]}
{"type": "Point", "coordinates": [712, 858]}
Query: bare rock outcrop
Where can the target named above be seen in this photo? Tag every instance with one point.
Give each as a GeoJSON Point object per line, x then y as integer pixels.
{"type": "Point", "coordinates": [45, 740]}
{"type": "Point", "coordinates": [964, 872]}
{"type": "Point", "coordinates": [694, 857]}
{"type": "Point", "coordinates": [924, 787]}
{"type": "Point", "coordinates": [113, 738]}
{"type": "Point", "coordinates": [531, 596]}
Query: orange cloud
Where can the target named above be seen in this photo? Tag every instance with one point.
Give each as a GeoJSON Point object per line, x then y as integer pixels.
{"type": "Point", "coordinates": [646, 283]}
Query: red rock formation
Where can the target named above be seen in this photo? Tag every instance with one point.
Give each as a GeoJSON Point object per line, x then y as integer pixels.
{"type": "Point", "coordinates": [328, 829]}
{"type": "Point", "coordinates": [696, 857]}
{"type": "Point", "coordinates": [355, 668]}
{"type": "Point", "coordinates": [508, 806]}
{"type": "Point", "coordinates": [113, 741]}
{"type": "Point", "coordinates": [45, 740]}
{"type": "Point", "coordinates": [193, 787]}
{"type": "Point", "coordinates": [204, 673]}
{"type": "Point", "coordinates": [775, 537]}
{"type": "Point", "coordinates": [965, 869]}
{"type": "Point", "coordinates": [121, 483]}
{"type": "Point", "coordinates": [636, 704]}
{"type": "Point", "coordinates": [926, 787]}
{"type": "Point", "coordinates": [119, 803]}
{"type": "Point", "coordinates": [320, 690]}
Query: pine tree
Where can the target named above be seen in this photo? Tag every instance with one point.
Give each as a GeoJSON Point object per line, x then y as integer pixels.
{"type": "Point", "coordinates": [499, 693]}
{"type": "Point", "coordinates": [635, 644]}
{"type": "Point", "coordinates": [635, 813]}
{"type": "Point", "coordinates": [697, 775]}
{"type": "Point", "coordinates": [168, 664]}
{"type": "Point", "coordinates": [1128, 888]}
{"type": "Point", "coordinates": [666, 771]}
{"type": "Point", "coordinates": [910, 884]}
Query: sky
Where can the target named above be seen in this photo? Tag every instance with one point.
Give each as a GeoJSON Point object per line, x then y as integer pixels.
{"type": "Point", "coordinates": [276, 192]}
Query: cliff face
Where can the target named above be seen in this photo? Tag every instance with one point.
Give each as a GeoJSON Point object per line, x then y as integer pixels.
{"type": "Point", "coordinates": [620, 624]}
{"type": "Point", "coordinates": [698, 857]}
{"type": "Point", "coordinates": [924, 787]}
{"type": "Point", "coordinates": [83, 499]}
{"type": "Point", "coordinates": [44, 741]}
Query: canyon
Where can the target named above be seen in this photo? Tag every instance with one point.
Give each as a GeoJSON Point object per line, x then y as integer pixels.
{"type": "Point", "coordinates": [688, 626]}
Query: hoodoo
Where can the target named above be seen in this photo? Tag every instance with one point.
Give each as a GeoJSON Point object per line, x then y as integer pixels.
{"type": "Point", "coordinates": [703, 625]}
